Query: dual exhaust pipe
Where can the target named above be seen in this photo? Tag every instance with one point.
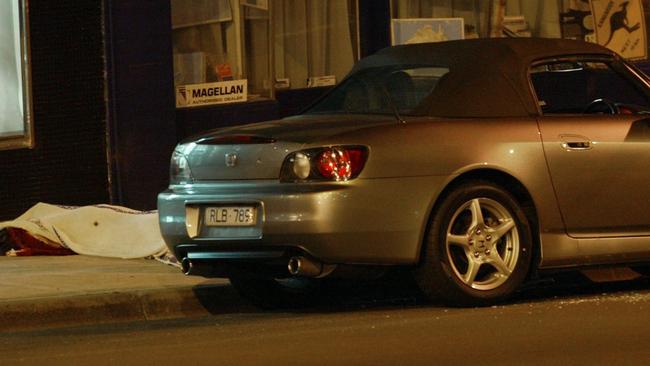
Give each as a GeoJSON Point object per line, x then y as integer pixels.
{"type": "Point", "coordinates": [194, 269]}
{"type": "Point", "coordinates": [297, 266]}
{"type": "Point", "coordinates": [304, 267]}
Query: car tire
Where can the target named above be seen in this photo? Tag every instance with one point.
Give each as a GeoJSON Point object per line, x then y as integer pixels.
{"type": "Point", "coordinates": [470, 259]}
{"type": "Point", "coordinates": [272, 293]}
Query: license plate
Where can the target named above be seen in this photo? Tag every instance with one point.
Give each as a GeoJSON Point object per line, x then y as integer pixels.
{"type": "Point", "coordinates": [230, 216]}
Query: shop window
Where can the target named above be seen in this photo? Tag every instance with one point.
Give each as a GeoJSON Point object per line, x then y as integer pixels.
{"type": "Point", "coordinates": [494, 18]}
{"type": "Point", "coordinates": [15, 101]}
{"type": "Point", "coordinates": [315, 41]}
{"type": "Point", "coordinates": [475, 16]}
{"type": "Point", "coordinates": [616, 24]}
{"type": "Point", "coordinates": [539, 18]}
{"type": "Point", "coordinates": [258, 66]}
{"type": "Point", "coordinates": [208, 54]}
{"type": "Point", "coordinates": [223, 48]}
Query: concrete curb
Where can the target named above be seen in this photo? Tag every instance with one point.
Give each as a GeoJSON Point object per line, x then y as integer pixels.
{"type": "Point", "coordinates": [116, 307]}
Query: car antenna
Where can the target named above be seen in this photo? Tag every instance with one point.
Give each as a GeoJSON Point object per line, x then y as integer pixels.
{"type": "Point", "coordinates": [393, 106]}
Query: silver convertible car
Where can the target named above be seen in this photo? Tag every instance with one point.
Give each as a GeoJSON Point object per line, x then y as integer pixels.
{"type": "Point", "coordinates": [476, 164]}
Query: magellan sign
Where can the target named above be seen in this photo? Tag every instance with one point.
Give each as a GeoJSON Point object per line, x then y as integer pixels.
{"type": "Point", "coordinates": [222, 92]}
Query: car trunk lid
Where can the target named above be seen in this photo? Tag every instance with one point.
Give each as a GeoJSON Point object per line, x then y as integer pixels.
{"type": "Point", "coordinates": [257, 151]}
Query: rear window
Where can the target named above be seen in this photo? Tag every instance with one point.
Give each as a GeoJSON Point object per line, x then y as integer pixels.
{"type": "Point", "coordinates": [382, 91]}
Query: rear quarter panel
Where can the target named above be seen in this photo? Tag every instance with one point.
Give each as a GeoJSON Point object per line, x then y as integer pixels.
{"type": "Point", "coordinates": [448, 148]}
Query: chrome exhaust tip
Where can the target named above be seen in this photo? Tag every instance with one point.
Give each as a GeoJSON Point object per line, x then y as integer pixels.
{"type": "Point", "coordinates": [186, 266]}
{"type": "Point", "coordinates": [301, 266]}
{"type": "Point", "coordinates": [294, 266]}
{"type": "Point", "coordinates": [192, 268]}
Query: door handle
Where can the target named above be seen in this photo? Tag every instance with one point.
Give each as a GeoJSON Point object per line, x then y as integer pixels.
{"type": "Point", "coordinates": [578, 145]}
{"type": "Point", "coordinates": [575, 142]}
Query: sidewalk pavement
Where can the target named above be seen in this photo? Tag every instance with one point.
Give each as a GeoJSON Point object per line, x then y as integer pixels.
{"type": "Point", "coordinates": [46, 292]}
{"type": "Point", "coordinates": [38, 293]}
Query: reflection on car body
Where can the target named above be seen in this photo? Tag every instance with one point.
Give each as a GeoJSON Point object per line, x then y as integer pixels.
{"type": "Point", "coordinates": [474, 163]}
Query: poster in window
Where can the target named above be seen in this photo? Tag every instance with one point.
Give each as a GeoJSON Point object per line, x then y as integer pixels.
{"type": "Point", "coordinates": [421, 30]}
{"type": "Point", "coordinates": [14, 101]}
{"type": "Point", "coordinates": [620, 26]}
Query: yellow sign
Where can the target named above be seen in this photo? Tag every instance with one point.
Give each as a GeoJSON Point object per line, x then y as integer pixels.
{"type": "Point", "coordinates": [620, 26]}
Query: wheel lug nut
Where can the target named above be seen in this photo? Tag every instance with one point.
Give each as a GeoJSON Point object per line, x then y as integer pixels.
{"type": "Point", "coordinates": [478, 231]}
{"type": "Point", "coordinates": [487, 252]}
{"type": "Point", "coordinates": [488, 238]}
{"type": "Point", "coordinates": [476, 254]}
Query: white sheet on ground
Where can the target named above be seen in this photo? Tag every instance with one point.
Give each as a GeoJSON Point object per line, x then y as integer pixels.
{"type": "Point", "coordinates": [101, 230]}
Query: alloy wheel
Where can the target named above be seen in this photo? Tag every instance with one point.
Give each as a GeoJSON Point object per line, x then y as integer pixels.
{"type": "Point", "coordinates": [482, 243]}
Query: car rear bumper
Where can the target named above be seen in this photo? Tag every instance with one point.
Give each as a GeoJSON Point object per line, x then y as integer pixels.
{"type": "Point", "coordinates": [363, 221]}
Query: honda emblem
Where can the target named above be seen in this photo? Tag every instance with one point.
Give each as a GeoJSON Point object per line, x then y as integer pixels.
{"type": "Point", "coordinates": [231, 160]}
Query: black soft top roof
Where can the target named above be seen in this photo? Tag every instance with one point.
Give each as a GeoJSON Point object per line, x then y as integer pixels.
{"type": "Point", "coordinates": [487, 77]}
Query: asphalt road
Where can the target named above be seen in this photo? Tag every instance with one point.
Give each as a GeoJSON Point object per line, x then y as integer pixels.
{"type": "Point", "coordinates": [573, 323]}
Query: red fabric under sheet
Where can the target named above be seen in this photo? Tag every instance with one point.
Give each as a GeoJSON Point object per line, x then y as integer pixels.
{"type": "Point", "coordinates": [25, 244]}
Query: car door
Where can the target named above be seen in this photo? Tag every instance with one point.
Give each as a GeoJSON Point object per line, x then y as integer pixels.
{"type": "Point", "coordinates": [596, 135]}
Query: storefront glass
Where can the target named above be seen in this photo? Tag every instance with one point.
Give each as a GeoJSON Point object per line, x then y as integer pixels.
{"type": "Point", "coordinates": [475, 14]}
{"type": "Point", "coordinates": [616, 24]}
{"type": "Point", "coordinates": [271, 44]}
{"type": "Point", "coordinates": [315, 41]}
{"type": "Point", "coordinates": [14, 94]}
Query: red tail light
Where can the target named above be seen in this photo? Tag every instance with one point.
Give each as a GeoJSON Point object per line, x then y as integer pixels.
{"type": "Point", "coordinates": [337, 163]}
{"type": "Point", "coordinates": [340, 163]}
